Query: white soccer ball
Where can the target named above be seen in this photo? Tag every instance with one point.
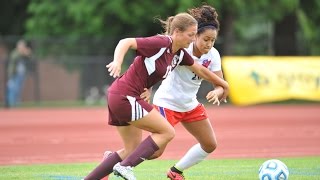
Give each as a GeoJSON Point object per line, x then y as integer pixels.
{"type": "Point", "coordinates": [273, 169]}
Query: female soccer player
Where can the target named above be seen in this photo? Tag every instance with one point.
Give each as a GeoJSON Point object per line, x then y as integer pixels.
{"type": "Point", "coordinates": [177, 102]}
{"type": "Point", "coordinates": [156, 57]}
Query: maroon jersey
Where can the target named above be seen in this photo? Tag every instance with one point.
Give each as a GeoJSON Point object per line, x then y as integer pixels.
{"type": "Point", "coordinates": [153, 63]}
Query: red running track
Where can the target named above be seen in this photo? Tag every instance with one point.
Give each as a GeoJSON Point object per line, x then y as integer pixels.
{"type": "Point", "coordinates": [31, 136]}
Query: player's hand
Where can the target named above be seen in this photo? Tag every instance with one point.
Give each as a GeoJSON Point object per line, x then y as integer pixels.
{"type": "Point", "coordinates": [213, 97]}
{"type": "Point", "coordinates": [225, 93]}
{"type": "Point", "coordinates": [146, 95]}
{"type": "Point", "coordinates": [114, 69]}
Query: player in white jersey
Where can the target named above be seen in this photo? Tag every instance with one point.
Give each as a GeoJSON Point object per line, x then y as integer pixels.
{"type": "Point", "coordinates": [179, 91]}
{"type": "Point", "coordinates": [176, 98]}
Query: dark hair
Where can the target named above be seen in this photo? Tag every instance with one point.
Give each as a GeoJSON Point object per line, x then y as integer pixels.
{"type": "Point", "coordinates": [206, 16]}
{"type": "Point", "coordinates": [29, 44]}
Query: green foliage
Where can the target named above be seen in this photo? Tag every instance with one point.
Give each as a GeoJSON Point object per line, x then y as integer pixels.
{"type": "Point", "coordinates": [277, 9]}
{"type": "Point", "coordinates": [65, 18]}
{"type": "Point", "coordinates": [12, 17]}
{"type": "Point", "coordinates": [119, 17]}
{"type": "Point", "coordinates": [122, 18]}
{"type": "Point", "coordinates": [309, 18]}
{"type": "Point", "coordinates": [93, 18]}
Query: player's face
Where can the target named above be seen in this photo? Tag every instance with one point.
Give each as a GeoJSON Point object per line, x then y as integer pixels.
{"type": "Point", "coordinates": [188, 36]}
{"type": "Point", "coordinates": [206, 40]}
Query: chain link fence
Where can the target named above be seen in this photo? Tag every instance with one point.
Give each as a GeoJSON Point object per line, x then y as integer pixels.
{"type": "Point", "coordinates": [61, 70]}
{"type": "Point", "coordinates": [64, 70]}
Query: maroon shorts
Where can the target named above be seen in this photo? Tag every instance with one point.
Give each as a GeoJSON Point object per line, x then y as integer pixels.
{"type": "Point", "coordinates": [123, 109]}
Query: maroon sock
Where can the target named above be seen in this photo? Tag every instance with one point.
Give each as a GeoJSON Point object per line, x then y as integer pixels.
{"type": "Point", "coordinates": [105, 167]}
{"type": "Point", "coordinates": [143, 152]}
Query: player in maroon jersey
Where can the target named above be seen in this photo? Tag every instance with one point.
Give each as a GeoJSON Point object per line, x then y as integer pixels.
{"type": "Point", "coordinates": [156, 57]}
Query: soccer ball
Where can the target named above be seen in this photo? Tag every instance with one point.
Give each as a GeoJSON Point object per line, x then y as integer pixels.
{"type": "Point", "coordinates": [273, 169]}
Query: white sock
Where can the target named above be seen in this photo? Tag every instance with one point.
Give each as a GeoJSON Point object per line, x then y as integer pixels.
{"type": "Point", "coordinates": [194, 156]}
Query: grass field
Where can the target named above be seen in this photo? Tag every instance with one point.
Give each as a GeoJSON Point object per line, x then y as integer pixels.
{"type": "Point", "coordinates": [300, 169]}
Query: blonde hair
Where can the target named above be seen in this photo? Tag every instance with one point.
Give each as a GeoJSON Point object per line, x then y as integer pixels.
{"type": "Point", "coordinates": [180, 21]}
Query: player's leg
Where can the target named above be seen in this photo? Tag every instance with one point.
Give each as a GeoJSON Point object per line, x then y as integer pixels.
{"type": "Point", "coordinates": [172, 118]}
{"type": "Point", "coordinates": [131, 137]}
{"type": "Point", "coordinates": [162, 133]}
{"type": "Point", "coordinates": [135, 111]}
{"type": "Point", "coordinates": [203, 132]}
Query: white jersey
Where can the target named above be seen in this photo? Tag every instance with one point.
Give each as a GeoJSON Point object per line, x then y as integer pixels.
{"type": "Point", "coordinates": [178, 92]}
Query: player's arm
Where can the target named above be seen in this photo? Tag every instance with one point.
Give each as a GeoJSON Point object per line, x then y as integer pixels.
{"type": "Point", "coordinates": [214, 95]}
{"type": "Point", "coordinates": [209, 76]}
{"type": "Point", "coordinates": [119, 53]}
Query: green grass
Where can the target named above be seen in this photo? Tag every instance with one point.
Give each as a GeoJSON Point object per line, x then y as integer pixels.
{"type": "Point", "coordinates": [245, 169]}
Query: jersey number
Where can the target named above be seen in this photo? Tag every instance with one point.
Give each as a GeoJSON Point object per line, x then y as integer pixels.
{"type": "Point", "coordinates": [195, 77]}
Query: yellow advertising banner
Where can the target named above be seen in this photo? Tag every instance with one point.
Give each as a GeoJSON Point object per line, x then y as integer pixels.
{"type": "Point", "coordinates": [261, 79]}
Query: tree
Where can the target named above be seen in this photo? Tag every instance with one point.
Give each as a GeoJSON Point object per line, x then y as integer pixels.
{"type": "Point", "coordinates": [99, 18]}
{"type": "Point", "coordinates": [121, 18]}
{"type": "Point", "coordinates": [13, 17]}
{"type": "Point", "coordinates": [309, 18]}
{"type": "Point", "coordinates": [285, 36]}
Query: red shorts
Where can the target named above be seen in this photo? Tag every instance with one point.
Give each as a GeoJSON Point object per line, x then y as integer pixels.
{"type": "Point", "coordinates": [123, 109]}
{"type": "Point", "coordinates": [197, 114]}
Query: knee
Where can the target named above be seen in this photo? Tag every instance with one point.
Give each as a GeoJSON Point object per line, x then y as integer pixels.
{"type": "Point", "coordinates": [169, 135]}
{"type": "Point", "coordinates": [163, 136]}
{"type": "Point", "coordinates": [209, 147]}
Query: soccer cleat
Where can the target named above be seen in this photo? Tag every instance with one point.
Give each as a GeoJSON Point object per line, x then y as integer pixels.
{"type": "Point", "coordinates": [126, 172]}
{"type": "Point", "coordinates": [174, 176]}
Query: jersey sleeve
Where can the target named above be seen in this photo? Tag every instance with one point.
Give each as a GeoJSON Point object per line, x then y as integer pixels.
{"type": "Point", "coordinates": [187, 59]}
{"type": "Point", "coordinates": [216, 63]}
{"type": "Point", "coordinates": [149, 46]}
